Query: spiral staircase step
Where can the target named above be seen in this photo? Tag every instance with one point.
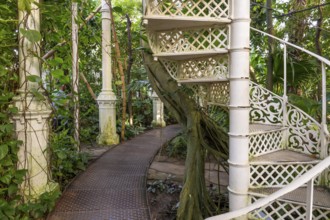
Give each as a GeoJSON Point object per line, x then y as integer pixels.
{"type": "Point", "coordinates": [191, 55]}
{"type": "Point", "coordinates": [165, 23]}
{"type": "Point", "coordinates": [284, 156]}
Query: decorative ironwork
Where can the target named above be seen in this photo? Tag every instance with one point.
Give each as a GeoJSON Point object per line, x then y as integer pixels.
{"type": "Point", "coordinates": [192, 40]}
{"type": "Point", "coordinates": [189, 8]}
{"type": "Point", "coordinates": [219, 93]}
{"type": "Point", "coordinates": [200, 93]}
{"type": "Point", "coordinates": [280, 209]}
{"type": "Point", "coordinates": [172, 67]}
{"type": "Point", "coordinates": [266, 143]}
{"type": "Point", "coordinates": [203, 68]}
{"type": "Point", "coordinates": [276, 175]}
{"type": "Point", "coordinates": [304, 132]}
{"type": "Point", "coordinates": [266, 107]}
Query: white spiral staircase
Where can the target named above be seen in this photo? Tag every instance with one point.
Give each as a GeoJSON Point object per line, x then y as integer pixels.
{"type": "Point", "coordinates": [191, 39]}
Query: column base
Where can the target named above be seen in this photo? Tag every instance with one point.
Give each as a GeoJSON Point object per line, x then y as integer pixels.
{"type": "Point", "coordinates": [32, 128]}
{"type": "Point", "coordinates": [32, 195]}
{"type": "Point", "coordinates": [108, 136]}
{"type": "Point", "coordinates": [107, 119]}
{"type": "Point", "coordinates": [158, 124]}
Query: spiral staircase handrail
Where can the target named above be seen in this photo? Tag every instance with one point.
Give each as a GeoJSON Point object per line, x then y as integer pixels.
{"type": "Point", "coordinates": [308, 176]}
{"type": "Point", "coordinates": [320, 58]}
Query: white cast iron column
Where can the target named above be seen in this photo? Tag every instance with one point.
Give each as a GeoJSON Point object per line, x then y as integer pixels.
{"type": "Point", "coordinates": [239, 105]}
{"type": "Point", "coordinates": [107, 99]}
{"type": "Point", "coordinates": [158, 111]}
{"type": "Point", "coordinates": [32, 120]}
{"type": "Point", "coordinates": [75, 73]}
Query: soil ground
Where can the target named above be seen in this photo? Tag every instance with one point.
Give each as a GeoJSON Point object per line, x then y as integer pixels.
{"type": "Point", "coordinates": [166, 174]}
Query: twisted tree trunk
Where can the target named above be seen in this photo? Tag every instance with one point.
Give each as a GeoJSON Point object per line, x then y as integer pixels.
{"type": "Point", "coordinates": [204, 136]}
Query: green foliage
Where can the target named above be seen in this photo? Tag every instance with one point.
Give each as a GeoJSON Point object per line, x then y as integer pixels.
{"type": "Point", "coordinates": [299, 27]}
{"type": "Point", "coordinates": [177, 147]}
{"type": "Point", "coordinates": [310, 106]}
{"type": "Point", "coordinates": [32, 35]}
{"type": "Point", "coordinates": [66, 162]}
{"type": "Point", "coordinates": [132, 131]}
{"type": "Point", "coordinates": [220, 115]}
{"type": "Point", "coordinates": [160, 186]}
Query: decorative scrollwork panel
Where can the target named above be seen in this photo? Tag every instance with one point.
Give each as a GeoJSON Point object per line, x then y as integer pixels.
{"type": "Point", "coordinates": [212, 67]}
{"type": "Point", "coordinates": [304, 132]}
{"type": "Point", "coordinates": [191, 40]}
{"type": "Point", "coordinates": [219, 93]}
{"type": "Point", "coordinates": [266, 107]}
{"type": "Point", "coordinates": [204, 68]}
{"type": "Point", "coordinates": [189, 8]}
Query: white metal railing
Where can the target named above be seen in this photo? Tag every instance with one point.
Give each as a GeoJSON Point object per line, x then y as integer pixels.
{"type": "Point", "coordinates": [310, 175]}
{"type": "Point", "coordinates": [324, 62]}
{"type": "Point", "coordinates": [308, 178]}
{"type": "Point", "coordinates": [304, 133]}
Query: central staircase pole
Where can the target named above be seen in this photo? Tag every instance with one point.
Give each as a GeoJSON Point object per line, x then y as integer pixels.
{"type": "Point", "coordinates": [239, 173]}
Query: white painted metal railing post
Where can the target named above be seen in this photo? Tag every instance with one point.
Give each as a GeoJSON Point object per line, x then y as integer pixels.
{"type": "Point", "coordinates": [144, 6]}
{"type": "Point", "coordinates": [285, 78]}
{"type": "Point", "coordinates": [310, 199]}
{"type": "Point", "coordinates": [239, 174]}
{"type": "Point", "coordinates": [107, 99]}
{"type": "Point", "coordinates": [285, 96]}
{"type": "Point", "coordinates": [324, 128]}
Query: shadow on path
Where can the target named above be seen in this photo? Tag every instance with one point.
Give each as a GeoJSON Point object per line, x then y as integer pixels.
{"type": "Point", "coordinates": [114, 186]}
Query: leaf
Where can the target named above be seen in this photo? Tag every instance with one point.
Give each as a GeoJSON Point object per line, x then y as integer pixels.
{"type": "Point", "coordinates": [58, 60]}
{"type": "Point", "coordinates": [24, 5]}
{"type": "Point", "coordinates": [13, 110]}
{"type": "Point", "coordinates": [9, 211]}
{"type": "Point", "coordinates": [118, 83]}
{"type": "Point", "coordinates": [6, 178]}
{"type": "Point", "coordinates": [33, 36]}
{"type": "Point", "coordinates": [37, 94]}
{"type": "Point", "coordinates": [117, 9]}
{"type": "Point", "coordinates": [3, 151]}
{"type": "Point", "coordinates": [33, 78]}
{"type": "Point", "coordinates": [19, 176]}
{"type": "Point", "coordinates": [7, 162]}
{"type": "Point", "coordinates": [61, 155]}
{"type": "Point", "coordinates": [12, 189]}
{"type": "Point", "coordinates": [57, 73]}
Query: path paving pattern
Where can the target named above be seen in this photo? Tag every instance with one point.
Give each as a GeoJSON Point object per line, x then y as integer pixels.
{"type": "Point", "coordinates": [114, 186]}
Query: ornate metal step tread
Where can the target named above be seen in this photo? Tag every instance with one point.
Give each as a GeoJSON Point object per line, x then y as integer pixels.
{"type": "Point", "coordinates": [202, 80]}
{"type": "Point", "coordinates": [164, 23]}
{"type": "Point", "coordinates": [191, 55]}
{"type": "Point", "coordinates": [264, 128]}
{"type": "Point", "coordinates": [284, 157]}
{"type": "Point", "coordinates": [321, 195]}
